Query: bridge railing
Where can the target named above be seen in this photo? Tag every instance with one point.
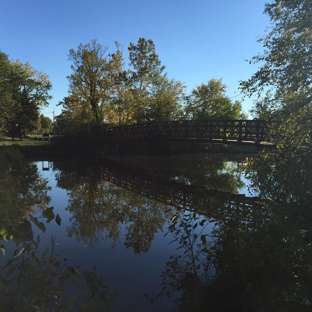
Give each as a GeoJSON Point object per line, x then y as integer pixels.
{"type": "Point", "coordinates": [223, 130]}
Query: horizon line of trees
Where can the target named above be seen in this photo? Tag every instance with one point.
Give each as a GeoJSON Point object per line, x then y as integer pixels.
{"type": "Point", "coordinates": [104, 90]}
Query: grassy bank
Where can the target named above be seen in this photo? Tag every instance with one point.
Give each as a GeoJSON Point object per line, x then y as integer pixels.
{"type": "Point", "coordinates": [29, 148]}
{"type": "Point", "coordinates": [6, 141]}
{"type": "Point", "coordinates": [63, 147]}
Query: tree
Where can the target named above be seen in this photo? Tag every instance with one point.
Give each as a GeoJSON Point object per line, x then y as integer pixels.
{"type": "Point", "coordinates": [208, 101]}
{"type": "Point", "coordinates": [286, 63]}
{"type": "Point", "coordinates": [165, 99]}
{"type": "Point", "coordinates": [23, 90]}
{"type": "Point", "coordinates": [6, 100]}
{"type": "Point", "coordinates": [97, 89]}
{"type": "Point", "coordinates": [119, 110]}
{"type": "Point", "coordinates": [88, 84]}
{"type": "Point", "coordinates": [76, 112]}
{"type": "Point", "coordinates": [45, 123]}
{"type": "Point", "coordinates": [286, 70]}
{"type": "Point", "coordinates": [102, 91]}
{"type": "Point", "coordinates": [144, 62]}
{"type": "Point", "coordinates": [264, 107]}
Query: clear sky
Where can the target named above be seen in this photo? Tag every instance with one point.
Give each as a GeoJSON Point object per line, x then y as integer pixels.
{"type": "Point", "coordinates": [196, 40]}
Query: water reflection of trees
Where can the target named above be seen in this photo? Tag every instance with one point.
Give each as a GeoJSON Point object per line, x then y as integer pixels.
{"type": "Point", "coordinates": [208, 171]}
{"type": "Point", "coordinates": [251, 261]}
{"type": "Point", "coordinates": [99, 209]}
{"type": "Point", "coordinates": [145, 219]}
{"type": "Point", "coordinates": [33, 280]}
{"type": "Point", "coordinates": [42, 281]}
{"type": "Point", "coordinates": [23, 193]}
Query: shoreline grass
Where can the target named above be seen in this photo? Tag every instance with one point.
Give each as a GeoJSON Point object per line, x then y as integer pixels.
{"type": "Point", "coordinates": [61, 148]}
{"type": "Point", "coordinates": [6, 141]}
{"type": "Point", "coordinates": [29, 148]}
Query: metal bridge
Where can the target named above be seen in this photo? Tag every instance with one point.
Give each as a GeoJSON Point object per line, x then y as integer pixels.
{"type": "Point", "coordinates": [214, 131]}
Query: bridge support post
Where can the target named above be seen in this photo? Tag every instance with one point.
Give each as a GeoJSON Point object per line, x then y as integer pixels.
{"type": "Point", "coordinates": [224, 131]}
{"type": "Point", "coordinates": [240, 131]}
{"type": "Point", "coordinates": [258, 135]}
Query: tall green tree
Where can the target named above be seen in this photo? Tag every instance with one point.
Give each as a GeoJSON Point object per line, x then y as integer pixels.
{"type": "Point", "coordinates": [101, 90]}
{"type": "Point", "coordinates": [119, 110]}
{"type": "Point", "coordinates": [144, 62]}
{"type": "Point", "coordinates": [286, 61]}
{"type": "Point", "coordinates": [6, 75]}
{"type": "Point", "coordinates": [46, 123]}
{"type": "Point", "coordinates": [165, 98]}
{"type": "Point", "coordinates": [23, 90]}
{"type": "Point", "coordinates": [264, 107]}
{"type": "Point", "coordinates": [96, 87]}
{"type": "Point", "coordinates": [88, 83]}
{"type": "Point", "coordinates": [286, 70]}
{"type": "Point", "coordinates": [208, 101]}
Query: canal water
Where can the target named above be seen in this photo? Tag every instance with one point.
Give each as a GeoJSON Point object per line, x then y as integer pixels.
{"type": "Point", "coordinates": [156, 233]}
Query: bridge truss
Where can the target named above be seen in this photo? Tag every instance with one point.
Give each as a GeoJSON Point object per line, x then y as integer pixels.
{"type": "Point", "coordinates": [235, 131]}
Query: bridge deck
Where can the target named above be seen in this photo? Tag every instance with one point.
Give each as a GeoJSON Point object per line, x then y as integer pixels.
{"type": "Point", "coordinates": [230, 131]}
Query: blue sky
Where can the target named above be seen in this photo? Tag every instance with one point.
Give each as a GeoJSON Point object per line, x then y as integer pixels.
{"type": "Point", "coordinates": [196, 40]}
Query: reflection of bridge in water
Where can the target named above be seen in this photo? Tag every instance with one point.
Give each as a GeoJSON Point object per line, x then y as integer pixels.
{"type": "Point", "coordinates": [212, 203]}
{"type": "Point", "coordinates": [214, 131]}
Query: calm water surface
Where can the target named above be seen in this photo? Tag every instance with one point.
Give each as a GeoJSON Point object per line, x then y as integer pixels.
{"type": "Point", "coordinates": [136, 234]}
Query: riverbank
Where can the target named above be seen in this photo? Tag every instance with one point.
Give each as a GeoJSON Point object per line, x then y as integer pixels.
{"type": "Point", "coordinates": [73, 147]}
{"type": "Point", "coordinates": [29, 148]}
{"type": "Point", "coordinates": [48, 150]}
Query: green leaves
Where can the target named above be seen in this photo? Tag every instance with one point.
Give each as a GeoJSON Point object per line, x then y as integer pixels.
{"type": "Point", "coordinates": [88, 83]}
{"type": "Point", "coordinates": [208, 101]}
{"type": "Point", "coordinates": [23, 90]}
{"type": "Point", "coordinates": [101, 90]}
{"type": "Point", "coordinates": [285, 71]}
{"type": "Point", "coordinates": [144, 60]}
